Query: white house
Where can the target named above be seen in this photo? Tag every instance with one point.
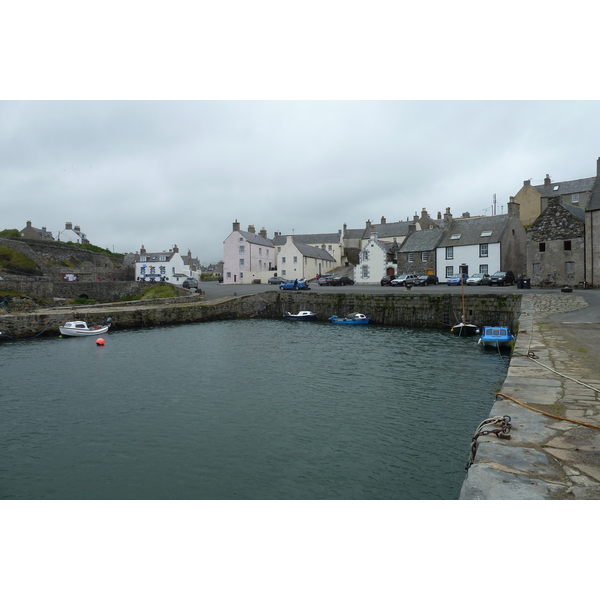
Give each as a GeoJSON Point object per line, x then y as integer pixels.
{"type": "Point", "coordinates": [247, 256]}
{"type": "Point", "coordinates": [376, 260]}
{"type": "Point", "coordinates": [72, 234]}
{"type": "Point", "coordinates": [165, 266]}
{"type": "Point", "coordinates": [301, 261]}
{"type": "Point", "coordinates": [329, 242]}
{"type": "Point", "coordinates": [482, 244]}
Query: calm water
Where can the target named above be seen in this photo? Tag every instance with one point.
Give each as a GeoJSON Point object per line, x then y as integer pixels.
{"type": "Point", "coordinates": [252, 409]}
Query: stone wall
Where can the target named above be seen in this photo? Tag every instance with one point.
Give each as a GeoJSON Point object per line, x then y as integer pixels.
{"type": "Point", "coordinates": [58, 258]}
{"type": "Point", "coordinates": [422, 310]}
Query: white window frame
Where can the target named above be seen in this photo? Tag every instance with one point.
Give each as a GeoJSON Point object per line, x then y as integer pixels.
{"type": "Point", "coordinates": [449, 252]}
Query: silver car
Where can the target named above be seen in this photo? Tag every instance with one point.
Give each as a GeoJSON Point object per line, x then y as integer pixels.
{"type": "Point", "coordinates": [478, 279]}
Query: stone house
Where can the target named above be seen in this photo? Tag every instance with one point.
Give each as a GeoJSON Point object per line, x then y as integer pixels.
{"type": "Point", "coordinates": [33, 233]}
{"type": "Point", "coordinates": [533, 199]}
{"type": "Point", "coordinates": [556, 244]}
{"type": "Point", "coordinates": [418, 252]}
{"type": "Point", "coordinates": [301, 261]}
{"type": "Point", "coordinates": [482, 244]}
{"type": "Point", "coordinates": [592, 236]}
{"type": "Point", "coordinates": [248, 256]}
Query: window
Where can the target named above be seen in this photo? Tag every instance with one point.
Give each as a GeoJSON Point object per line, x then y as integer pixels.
{"type": "Point", "coordinates": [542, 247]}
{"type": "Point", "coordinates": [365, 255]}
{"type": "Point", "coordinates": [485, 234]}
{"type": "Point", "coordinates": [365, 271]}
{"type": "Point", "coordinates": [411, 257]}
{"type": "Point", "coordinates": [424, 256]}
{"type": "Point", "coordinates": [329, 248]}
{"type": "Point", "coordinates": [483, 269]}
{"type": "Point", "coordinates": [283, 273]}
{"type": "Point", "coordinates": [241, 263]}
{"type": "Point", "coordinates": [483, 250]}
{"type": "Point", "coordinates": [295, 260]}
{"type": "Point", "coordinates": [449, 272]}
{"type": "Point", "coordinates": [455, 236]}
{"type": "Point", "coordinates": [278, 249]}
{"type": "Point", "coordinates": [537, 268]}
{"type": "Point", "coordinates": [241, 240]}
{"type": "Point", "coordinates": [228, 275]}
{"type": "Point", "coordinates": [567, 245]}
{"type": "Point", "coordinates": [283, 260]}
{"type": "Point", "coordinates": [575, 199]}
{"type": "Point", "coordinates": [570, 267]}
{"type": "Point", "coordinates": [259, 251]}
{"type": "Point", "coordinates": [449, 253]}
{"type": "Point", "coordinates": [242, 249]}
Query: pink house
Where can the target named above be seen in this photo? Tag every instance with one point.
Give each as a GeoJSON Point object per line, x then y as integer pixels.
{"type": "Point", "coordinates": [248, 256]}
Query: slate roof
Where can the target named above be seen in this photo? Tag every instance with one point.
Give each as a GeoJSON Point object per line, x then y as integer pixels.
{"type": "Point", "coordinates": [422, 241]}
{"type": "Point", "coordinates": [470, 231]}
{"type": "Point", "coordinates": [577, 212]}
{"type": "Point", "coordinates": [559, 188]}
{"type": "Point", "coordinates": [387, 230]}
{"type": "Point", "coordinates": [254, 238]}
{"type": "Point", "coordinates": [312, 252]}
{"type": "Point", "coordinates": [594, 203]}
{"type": "Point", "coordinates": [309, 238]}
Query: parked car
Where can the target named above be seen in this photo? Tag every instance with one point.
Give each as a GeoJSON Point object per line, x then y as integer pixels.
{"type": "Point", "coordinates": [403, 279]}
{"type": "Point", "coordinates": [277, 280]}
{"type": "Point", "coordinates": [387, 279]}
{"type": "Point", "coordinates": [502, 278]}
{"type": "Point", "coordinates": [478, 279]}
{"type": "Point", "coordinates": [190, 282]}
{"type": "Point", "coordinates": [341, 281]}
{"type": "Point", "coordinates": [457, 278]}
{"type": "Point", "coordinates": [325, 280]}
{"type": "Point", "coordinates": [294, 284]}
{"type": "Point", "coordinates": [426, 280]}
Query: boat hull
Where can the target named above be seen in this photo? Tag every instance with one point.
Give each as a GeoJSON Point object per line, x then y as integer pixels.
{"type": "Point", "coordinates": [80, 329]}
{"type": "Point", "coordinates": [496, 337]}
{"type": "Point", "coordinates": [353, 319]}
{"type": "Point", "coordinates": [303, 315]}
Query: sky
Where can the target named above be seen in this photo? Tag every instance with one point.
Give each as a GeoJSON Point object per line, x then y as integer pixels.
{"type": "Point", "coordinates": [160, 173]}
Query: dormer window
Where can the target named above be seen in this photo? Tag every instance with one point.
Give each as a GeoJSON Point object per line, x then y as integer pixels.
{"type": "Point", "coordinates": [555, 188]}
{"type": "Point", "coordinates": [485, 234]}
{"type": "Point", "coordinates": [455, 236]}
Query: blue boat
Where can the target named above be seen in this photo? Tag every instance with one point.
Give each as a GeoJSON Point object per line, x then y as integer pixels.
{"type": "Point", "coordinates": [496, 337]}
{"type": "Point", "coordinates": [351, 319]}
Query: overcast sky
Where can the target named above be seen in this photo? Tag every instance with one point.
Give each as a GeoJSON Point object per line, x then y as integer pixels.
{"type": "Point", "coordinates": [160, 173]}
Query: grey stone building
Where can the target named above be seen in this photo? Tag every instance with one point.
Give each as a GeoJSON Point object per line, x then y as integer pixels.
{"type": "Point", "coordinates": [417, 253]}
{"type": "Point", "coordinates": [556, 244]}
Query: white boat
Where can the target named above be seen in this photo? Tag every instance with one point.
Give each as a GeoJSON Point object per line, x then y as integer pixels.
{"type": "Point", "coordinates": [464, 328]}
{"type": "Point", "coordinates": [81, 329]}
{"type": "Point", "coordinates": [303, 315]}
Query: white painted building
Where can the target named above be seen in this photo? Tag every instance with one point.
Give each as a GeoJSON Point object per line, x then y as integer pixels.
{"type": "Point", "coordinates": [374, 261]}
{"type": "Point", "coordinates": [247, 256]}
{"type": "Point", "coordinates": [165, 266]}
{"type": "Point", "coordinates": [301, 261]}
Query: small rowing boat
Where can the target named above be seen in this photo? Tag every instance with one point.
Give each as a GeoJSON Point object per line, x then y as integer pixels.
{"type": "Point", "coordinates": [81, 329]}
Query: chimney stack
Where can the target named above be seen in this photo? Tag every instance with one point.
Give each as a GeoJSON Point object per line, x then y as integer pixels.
{"type": "Point", "coordinates": [547, 180]}
{"type": "Point", "coordinates": [447, 217]}
{"type": "Point", "coordinates": [251, 229]}
{"type": "Point", "coordinates": [236, 226]}
{"type": "Point", "coordinates": [513, 208]}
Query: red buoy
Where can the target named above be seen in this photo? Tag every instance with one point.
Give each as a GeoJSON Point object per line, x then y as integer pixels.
{"type": "Point", "coordinates": [100, 342]}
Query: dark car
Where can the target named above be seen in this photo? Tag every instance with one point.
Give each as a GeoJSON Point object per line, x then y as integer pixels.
{"type": "Point", "coordinates": [190, 282]}
{"type": "Point", "coordinates": [277, 280]}
{"type": "Point", "coordinates": [387, 280]}
{"type": "Point", "coordinates": [426, 280]}
{"type": "Point", "coordinates": [341, 281]}
{"type": "Point", "coordinates": [502, 278]}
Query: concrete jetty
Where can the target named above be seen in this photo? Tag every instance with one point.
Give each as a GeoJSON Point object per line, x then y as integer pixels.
{"type": "Point", "coordinates": [552, 396]}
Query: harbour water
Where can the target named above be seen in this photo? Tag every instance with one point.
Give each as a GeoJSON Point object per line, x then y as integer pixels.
{"type": "Point", "coordinates": [246, 409]}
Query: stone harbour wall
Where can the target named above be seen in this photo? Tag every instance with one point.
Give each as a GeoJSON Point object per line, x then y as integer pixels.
{"type": "Point", "coordinates": [423, 310]}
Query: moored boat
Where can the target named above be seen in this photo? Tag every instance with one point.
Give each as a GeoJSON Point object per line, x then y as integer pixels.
{"type": "Point", "coordinates": [81, 329]}
{"type": "Point", "coordinates": [464, 328]}
{"type": "Point", "coordinates": [303, 315]}
{"type": "Point", "coordinates": [496, 337]}
{"type": "Point", "coordinates": [351, 319]}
